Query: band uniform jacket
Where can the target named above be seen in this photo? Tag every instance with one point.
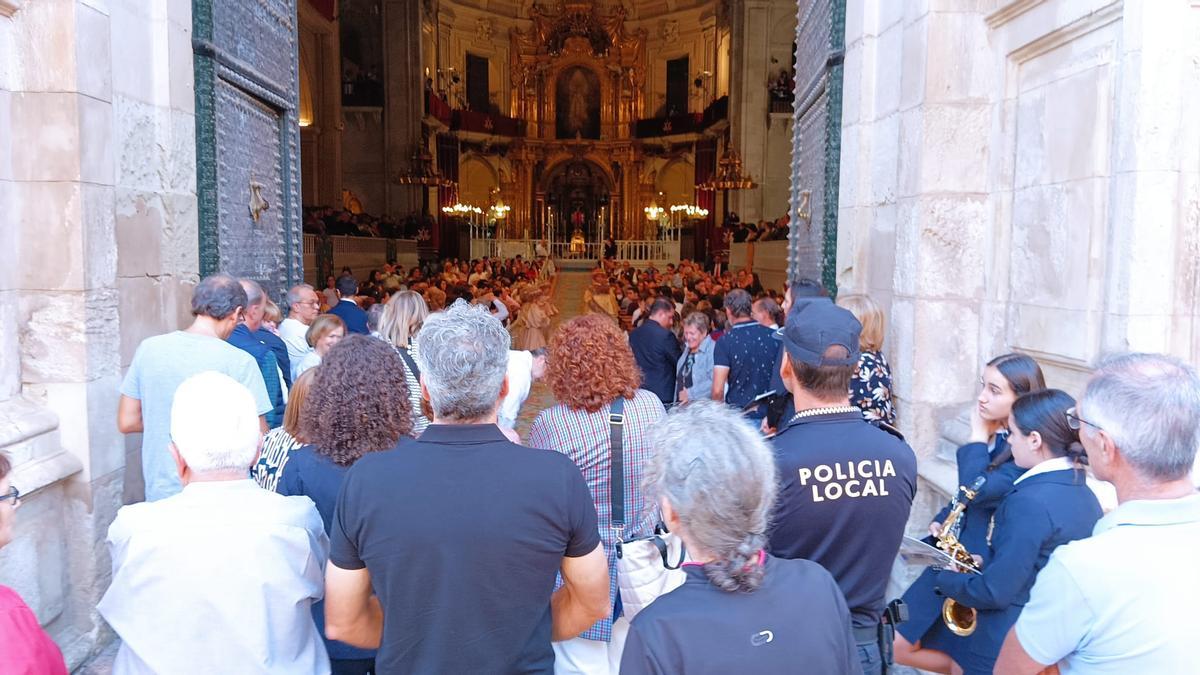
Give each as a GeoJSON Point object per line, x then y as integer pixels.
{"type": "Point", "coordinates": [924, 605]}
{"type": "Point", "coordinates": [1041, 513]}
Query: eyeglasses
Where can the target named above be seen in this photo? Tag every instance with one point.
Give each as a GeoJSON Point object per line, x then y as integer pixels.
{"type": "Point", "coordinates": [1075, 421]}
{"type": "Point", "coordinates": [13, 494]}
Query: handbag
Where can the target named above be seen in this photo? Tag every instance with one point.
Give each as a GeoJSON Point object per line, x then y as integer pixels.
{"type": "Point", "coordinates": [644, 564]}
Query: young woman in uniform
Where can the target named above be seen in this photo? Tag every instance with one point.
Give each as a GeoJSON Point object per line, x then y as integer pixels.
{"type": "Point", "coordinates": [923, 640]}
{"type": "Point", "coordinates": [1050, 505]}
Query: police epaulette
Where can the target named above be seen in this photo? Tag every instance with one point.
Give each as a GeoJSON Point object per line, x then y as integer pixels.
{"type": "Point", "coordinates": [888, 428]}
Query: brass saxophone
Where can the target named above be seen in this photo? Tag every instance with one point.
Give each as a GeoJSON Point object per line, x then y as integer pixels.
{"type": "Point", "coordinates": [960, 619]}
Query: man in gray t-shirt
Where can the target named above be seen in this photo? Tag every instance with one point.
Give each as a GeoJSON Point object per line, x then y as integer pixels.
{"type": "Point", "coordinates": [163, 362]}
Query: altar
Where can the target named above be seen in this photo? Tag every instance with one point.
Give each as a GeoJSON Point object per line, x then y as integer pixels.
{"type": "Point", "coordinates": [578, 77]}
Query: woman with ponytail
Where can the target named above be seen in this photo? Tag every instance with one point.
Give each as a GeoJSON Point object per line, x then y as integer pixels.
{"type": "Point", "coordinates": [923, 640]}
{"type": "Point", "coordinates": [739, 610]}
{"type": "Point", "coordinates": [1050, 505]}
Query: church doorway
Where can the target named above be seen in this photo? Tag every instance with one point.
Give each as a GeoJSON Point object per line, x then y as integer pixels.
{"type": "Point", "coordinates": [578, 202]}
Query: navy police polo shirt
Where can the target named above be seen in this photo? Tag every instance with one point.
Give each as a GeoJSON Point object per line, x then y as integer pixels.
{"type": "Point", "coordinates": [846, 487]}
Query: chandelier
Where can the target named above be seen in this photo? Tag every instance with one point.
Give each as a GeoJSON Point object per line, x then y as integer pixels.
{"type": "Point", "coordinates": [688, 211]}
{"type": "Point", "coordinates": [461, 209]}
{"type": "Point", "coordinates": [422, 172]}
{"type": "Point", "coordinates": [729, 174]}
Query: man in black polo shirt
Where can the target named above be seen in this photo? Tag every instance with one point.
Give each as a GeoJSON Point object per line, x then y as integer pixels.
{"type": "Point", "coordinates": [455, 538]}
{"type": "Point", "coordinates": [846, 485]}
{"type": "Point", "coordinates": [743, 356]}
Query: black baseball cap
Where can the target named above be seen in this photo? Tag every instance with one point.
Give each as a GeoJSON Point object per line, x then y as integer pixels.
{"type": "Point", "coordinates": [810, 332]}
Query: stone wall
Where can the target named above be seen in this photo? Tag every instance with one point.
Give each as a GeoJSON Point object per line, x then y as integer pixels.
{"type": "Point", "coordinates": [97, 176]}
{"type": "Point", "coordinates": [1018, 176]}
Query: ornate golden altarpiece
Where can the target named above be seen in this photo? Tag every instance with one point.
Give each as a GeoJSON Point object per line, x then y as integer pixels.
{"type": "Point", "coordinates": [578, 83]}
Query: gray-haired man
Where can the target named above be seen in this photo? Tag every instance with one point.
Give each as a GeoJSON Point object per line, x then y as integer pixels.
{"type": "Point", "coordinates": [464, 578]}
{"type": "Point", "coordinates": [303, 308]}
{"type": "Point", "coordinates": [162, 362]}
{"type": "Point", "coordinates": [1124, 600]}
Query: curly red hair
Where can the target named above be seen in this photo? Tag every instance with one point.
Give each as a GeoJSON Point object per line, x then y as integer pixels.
{"type": "Point", "coordinates": [590, 364]}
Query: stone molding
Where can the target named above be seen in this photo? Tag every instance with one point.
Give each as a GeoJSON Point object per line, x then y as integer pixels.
{"type": "Point", "coordinates": [29, 435]}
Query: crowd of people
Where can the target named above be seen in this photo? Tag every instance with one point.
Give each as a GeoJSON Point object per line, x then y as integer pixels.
{"type": "Point", "coordinates": [352, 221]}
{"type": "Point", "coordinates": [699, 334]}
{"type": "Point", "coordinates": [740, 232]}
{"type": "Point", "coordinates": [396, 522]}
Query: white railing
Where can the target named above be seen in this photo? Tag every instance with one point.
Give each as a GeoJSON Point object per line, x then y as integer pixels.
{"type": "Point", "coordinates": [501, 248]}
{"type": "Point", "coordinates": [633, 250]}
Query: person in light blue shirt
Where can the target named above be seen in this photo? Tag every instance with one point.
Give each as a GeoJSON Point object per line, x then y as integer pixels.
{"type": "Point", "coordinates": [1124, 600]}
{"type": "Point", "coordinates": [163, 362]}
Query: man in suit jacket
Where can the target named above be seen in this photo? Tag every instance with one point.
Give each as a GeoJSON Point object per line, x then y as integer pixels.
{"type": "Point", "coordinates": [348, 310]}
{"type": "Point", "coordinates": [656, 350]}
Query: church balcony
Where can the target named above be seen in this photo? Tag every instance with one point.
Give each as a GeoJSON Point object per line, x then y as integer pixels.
{"type": "Point", "coordinates": [716, 113]}
{"type": "Point", "coordinates": [437, 110]}
{"type": "Point", "coordinates": [487, 123]}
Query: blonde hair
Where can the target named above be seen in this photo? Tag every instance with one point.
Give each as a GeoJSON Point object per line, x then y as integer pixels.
{"type": "Point", "coordinates": [321, 326]}
{"type": "Point", "coordinates": [870, 316]}
{"type": "Point", "coordinates": [402, 318]}
{"type": "Point", "coordinates": [294, 411]}
{"type": "Point", "coordinates": [271, 312]}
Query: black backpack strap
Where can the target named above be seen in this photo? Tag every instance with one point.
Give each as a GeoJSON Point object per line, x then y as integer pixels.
{"type": "Point", "coordinates": [616, 479]}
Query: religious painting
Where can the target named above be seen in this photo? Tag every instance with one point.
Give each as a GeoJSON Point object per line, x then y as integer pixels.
{"type": "Point", "coordinates": [577, 98]}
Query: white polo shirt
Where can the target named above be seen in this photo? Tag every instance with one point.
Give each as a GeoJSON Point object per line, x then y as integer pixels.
{"type": "Point", "coordinates": [1124, 600]}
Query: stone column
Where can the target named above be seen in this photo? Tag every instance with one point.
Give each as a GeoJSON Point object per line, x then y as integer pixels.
{"type": "Point", "coordinates": [762, 30]}
{"type": "Point", "coordinates": [403, 102]}
{"type": "Point", "coordinates": [1154, 248]}
{"type": "Point", "coordinates": [100, 251]}
{"type": "Point", "coordinates": [915, 226]}
{"type": "Point", "coordinates": [750, 24]}
{"type": "Point", "coordinates": [329, 142]}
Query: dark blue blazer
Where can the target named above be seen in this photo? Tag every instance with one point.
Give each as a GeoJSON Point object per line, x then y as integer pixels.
{"type": "Point", "coordinates": [1041, 513]}
{"type": "Point", "coordinates": [268, 366]}
{"type": "Point", "coordinates": [278, 346]}
{"type": "Point", "coordinates": [924, 605]}
{"type": "Point", "coordinates": [656, 351]}
{"type": "Point", "coordinates": [349, 312]}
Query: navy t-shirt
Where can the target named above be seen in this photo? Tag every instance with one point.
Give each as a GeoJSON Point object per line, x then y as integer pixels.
{"type": "Point", "coordinates": [796, 621]}
{"type": "Point", "coordinates": [463, 533]}
{"type": "Point", "coordinates": [748, 350]}
{"type": "Point", "coordinates": [846, 487]}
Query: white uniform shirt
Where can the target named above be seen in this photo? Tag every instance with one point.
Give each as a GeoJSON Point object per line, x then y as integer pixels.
{"type": "Point", "coordinates": [1123, 600]}
{"type": "Point", "coordinates": [219, 578]}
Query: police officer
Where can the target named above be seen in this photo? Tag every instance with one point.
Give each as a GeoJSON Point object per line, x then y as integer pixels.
{"type": "Point", "coordinates": [847, 485]}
